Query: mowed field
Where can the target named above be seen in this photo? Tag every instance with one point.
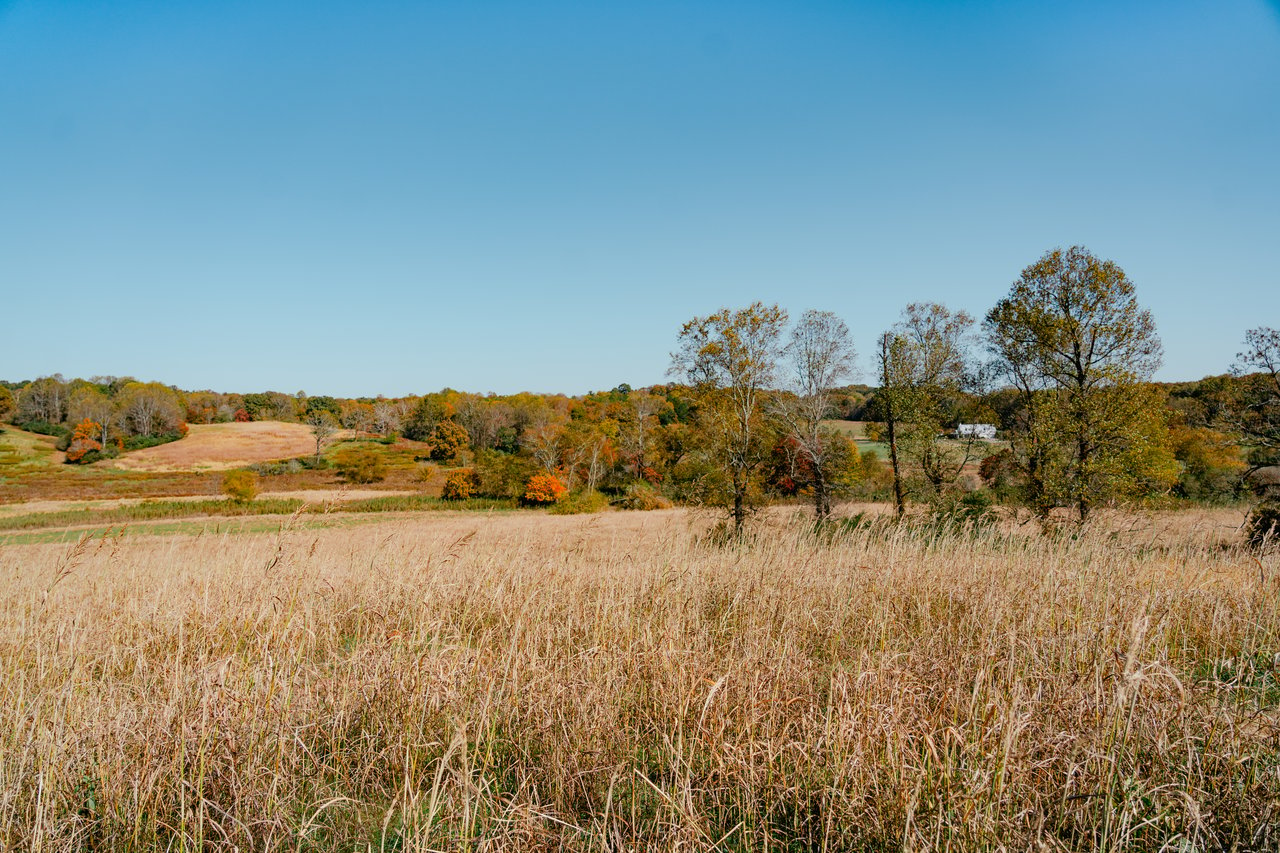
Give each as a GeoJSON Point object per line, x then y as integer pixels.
{"type": "Point", "coordinates": [463, 681]}
{"type": "Point", "coordinates": [221, 447]}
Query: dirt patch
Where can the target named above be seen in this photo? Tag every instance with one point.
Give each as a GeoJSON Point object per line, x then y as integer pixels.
{"type": "Point", "coordinates": [220, 447]}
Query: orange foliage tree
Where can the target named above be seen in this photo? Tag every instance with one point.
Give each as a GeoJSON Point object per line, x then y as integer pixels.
{"type": "Point", "coordinates": [83, 441]}
{"type": "Point", "coordinates": [543, 489]}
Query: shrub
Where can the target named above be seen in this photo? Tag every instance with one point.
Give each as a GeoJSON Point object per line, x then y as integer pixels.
{"type": "Point", "coordinates": [461, 485]}
{"type": "Point", "coordinates": [502, 475]}
{"type": "Point", "coordinates": [359, 465]}
{"type": "Point", "coordinates": [241, 417]}
{"type": "Point", "coordinates": [138, 442]}
{"type": "Point", "coordinates": [642, 496]}
{"type": "Point", "coordinates": [543, 490]}
{"type": "Point", "coordinates": [44, 428]}
{"type": "Point", "coordinates": [1263, 526]}
{"type": "Point", "coordinates": [575, 503]}
{"type": "Point", "coordinates": [240, 486]}
{"type": "Point", "coordinates": [448, 439]}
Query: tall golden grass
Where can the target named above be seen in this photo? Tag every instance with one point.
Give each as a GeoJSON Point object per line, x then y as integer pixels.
{"type": "Point", "coordinates": [612, 683]}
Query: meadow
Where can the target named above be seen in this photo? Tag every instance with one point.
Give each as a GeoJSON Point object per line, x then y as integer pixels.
{"type": "Point", "coordinates": [621, 681]}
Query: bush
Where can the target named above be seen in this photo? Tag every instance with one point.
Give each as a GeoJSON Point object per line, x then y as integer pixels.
{"type": "Point", "coordinates": [448, 439]}
{"type": "Point", "coordinates": [358, 465]}
{"type": "Point", "coordinates": [240, 486]}
{"type": "Point", "coordinates": [1263, 526]}
{"type": "Point", "coordinates": [580, 502]}
{"type": "Point", "coordinates": [642, 496]}
{"type": "Point", "coordinates": [461, 485]}
{"type": "Point", "coordinates": [45, 428]}
{"type": "Point", "coordinates": [502, 475]}
{"type": "Point", "coordinates": [138, 442]}
{"type": "Point", "coordinates": [543, 490]}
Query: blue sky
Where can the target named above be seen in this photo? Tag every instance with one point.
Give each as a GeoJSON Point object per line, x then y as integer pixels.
{"type": "Point", "coordinates": [363, 198]}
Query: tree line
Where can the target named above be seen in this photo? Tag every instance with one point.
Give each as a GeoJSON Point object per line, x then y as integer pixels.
{"type": "Point", "coordinates": [1062, 365]}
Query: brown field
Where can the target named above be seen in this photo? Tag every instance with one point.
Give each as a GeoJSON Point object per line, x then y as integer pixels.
{"type": "Point", "coordinates": [221, 447]}
{"type": "Point", "coordinates": [610, 682]}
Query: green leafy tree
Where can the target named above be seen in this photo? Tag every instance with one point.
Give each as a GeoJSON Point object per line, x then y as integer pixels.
{"type": "Point", "coordinates": [6, 402]}
{"type": "Point", "coordinates": [1074, 342]}
{"type": "Point", "coordinates": [730, 359]}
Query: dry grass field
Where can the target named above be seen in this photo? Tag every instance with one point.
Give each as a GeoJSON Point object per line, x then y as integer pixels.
{"type": "Point", "coordinates": [613, 682]}
{"type": "Point", "coordinates": [221, 447]}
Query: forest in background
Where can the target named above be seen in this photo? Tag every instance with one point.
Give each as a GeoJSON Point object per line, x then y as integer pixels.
{"type": "Point", "coordinates": [763, 409]}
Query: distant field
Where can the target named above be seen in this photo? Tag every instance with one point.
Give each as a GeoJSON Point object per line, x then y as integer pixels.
{"type": "Point", "coordinates": [220, 447]}
{"type": "Point", "coordinates": [857, 430]}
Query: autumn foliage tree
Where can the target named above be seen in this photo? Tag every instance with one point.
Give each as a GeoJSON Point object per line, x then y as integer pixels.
{"type": "Point", "coordinates": [820, 356]}
{"type": "Point", "coordinates": [1073, 340]}
{"type": "Point", "coordinates": [448, 439]}
{"type": "Point", "coordinates": [460, 485]}
{"type": "Point", "coordinates": [84, 441]}
{"type": "Point", "coordinates": [730, 358]}
{"type": "Point", "coordinates": [543, 489]}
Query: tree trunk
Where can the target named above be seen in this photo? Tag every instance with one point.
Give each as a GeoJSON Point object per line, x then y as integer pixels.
{"type": "Point", "coordinates": [821, 496]}
{"type": "Point", "coordinates": [739, 503]}
{"type": "Point", "coordinates": [899, 498]}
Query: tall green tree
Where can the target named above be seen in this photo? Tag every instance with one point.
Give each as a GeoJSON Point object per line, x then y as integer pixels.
{"type": "Point", "coordinates": [1080, 350]}
{"type": "Point", "coordinates": [730, 359]}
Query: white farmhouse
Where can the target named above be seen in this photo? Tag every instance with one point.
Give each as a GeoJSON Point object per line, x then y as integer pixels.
{"type": "Point", "coordinates": [985, 432]}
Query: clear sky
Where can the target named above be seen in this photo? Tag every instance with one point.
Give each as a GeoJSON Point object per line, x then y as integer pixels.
{"type": "Point", "coordinates": [362, 198]}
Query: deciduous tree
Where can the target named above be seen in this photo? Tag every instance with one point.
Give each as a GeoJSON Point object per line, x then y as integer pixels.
{"type": "Point", "coordinates": [323, 427]}
{"type": "Point", "coordinates": [43, 400]}
{"type": "Point", "coordinates": [1256, 415]}
{"type": "Point", "coordinates": [1072, 338]}
{"type": "Point", "coordinates": [923, 364]}
{"type": "Point", "coordinates": [730, 359]}
{"type": "Point", "coordinates": [820, 356]}
{"type": "Point", "coordinates": [149, 408]}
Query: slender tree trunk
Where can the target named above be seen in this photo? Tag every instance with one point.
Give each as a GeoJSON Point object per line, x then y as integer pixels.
{"type": "Point", "coordinates": [1085, 452]}
{"type": "Point", "coordinates": [739, 503]}
{"type": "Point", "coordinates": [899, 498]}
